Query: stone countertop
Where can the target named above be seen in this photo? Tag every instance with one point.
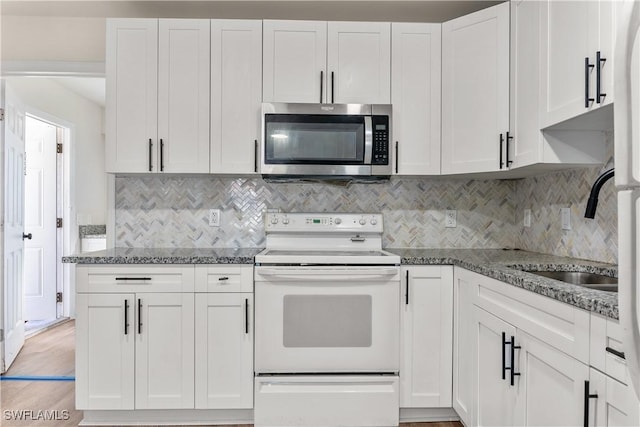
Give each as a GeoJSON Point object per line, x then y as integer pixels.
{"type": "Point", "coordinates": [506, 266]}
{"type": "Point", "coordinates": [503, 265]}
{"type": "Point", "coordinates": [166, 256]}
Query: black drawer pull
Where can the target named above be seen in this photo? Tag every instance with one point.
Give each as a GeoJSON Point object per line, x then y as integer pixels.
{"type": "Point", "coordinates": [133, 278]}
{"type": "Point", "coordinates": [620, 354]}
{"type": "Point", "coordinates": [223, 278]}
{"type": "Point", "coordinates": [587, 395]}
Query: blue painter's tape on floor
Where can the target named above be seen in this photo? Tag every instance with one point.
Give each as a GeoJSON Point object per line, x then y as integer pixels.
{"type": "Point", "coordinates": [36, 378]}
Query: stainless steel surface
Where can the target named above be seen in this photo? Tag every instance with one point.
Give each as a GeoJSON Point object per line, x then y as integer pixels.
{"type": "Point", "coordinates": [312, 108]}
{"type": "Point", "coordinates": [368, 140]}
{"type": "Point", "coordinates": [587, 280]}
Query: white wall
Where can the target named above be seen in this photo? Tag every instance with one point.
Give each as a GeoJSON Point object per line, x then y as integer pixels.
{"type": "Point", "coordinates": [86, 118]}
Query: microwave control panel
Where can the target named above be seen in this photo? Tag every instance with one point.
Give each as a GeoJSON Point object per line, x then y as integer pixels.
{"type": "Point", "coordinates": [380, 152]}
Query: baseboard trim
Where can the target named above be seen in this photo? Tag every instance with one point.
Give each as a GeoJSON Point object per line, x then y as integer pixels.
{"type": "Point", "coordinates": [159, 417]}
{"type": "Point", "coordinates": [421, 415]}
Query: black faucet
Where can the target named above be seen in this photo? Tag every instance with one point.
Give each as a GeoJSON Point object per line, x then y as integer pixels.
{"type": "Point", "coordinates": [592, 203]}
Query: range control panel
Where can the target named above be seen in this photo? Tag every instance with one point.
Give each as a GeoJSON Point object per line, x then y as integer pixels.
{"type": "Point", "coordinates": [322, 222]}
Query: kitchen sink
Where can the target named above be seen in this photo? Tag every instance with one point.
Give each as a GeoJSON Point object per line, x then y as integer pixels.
{"type": "Point", "coordinates": [587, 280]}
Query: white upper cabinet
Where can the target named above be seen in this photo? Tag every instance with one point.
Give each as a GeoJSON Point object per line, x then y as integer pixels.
{"type": "Point", "coordinates": [577, 40]}
{"type": "Point", "coordinates": [294, 61]}
{"type": "Point", "coordinates": [475, 91]}
{"type": "Point", "coordinates": [335, 62]}
{"type": "Point", "coordinates": [359, 62]}
{"type": "Point", "coordinates": [157, 95]}
{"type": "Point", "coordinates": [236, 94]}
{"type": "Point", "coordinates": [132, 95]}
{"type": "Point", "coordinates": [416, 80]}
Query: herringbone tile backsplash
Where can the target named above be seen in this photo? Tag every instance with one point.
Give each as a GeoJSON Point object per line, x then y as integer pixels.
{"type": "Point", "coordinates": [172, 211]}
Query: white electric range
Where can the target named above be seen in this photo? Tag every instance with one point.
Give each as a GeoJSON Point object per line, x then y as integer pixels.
{"type": "Point", "coordinates": [327, 322]}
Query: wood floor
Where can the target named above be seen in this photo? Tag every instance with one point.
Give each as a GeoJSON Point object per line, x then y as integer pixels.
{"type": "Point", "coordinates": [51, 353]}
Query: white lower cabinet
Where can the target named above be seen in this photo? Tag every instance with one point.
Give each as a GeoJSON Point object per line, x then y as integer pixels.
{"type": "Point", "coordinates": [426, 337]}
{"type": "Point", "coordinates": [224, 350]}
{"type": "Point", "coordinates": [134, 351]}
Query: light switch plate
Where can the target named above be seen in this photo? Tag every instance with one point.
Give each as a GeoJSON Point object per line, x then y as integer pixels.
{"type": "Point", "coordinates": [450, 219]}
{"type": "Point", "coordinates": [527, 217]}
{"type": "Point", "coordinates": [565, 214]}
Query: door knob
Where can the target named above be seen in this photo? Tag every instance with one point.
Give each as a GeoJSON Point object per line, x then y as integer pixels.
{"type": "Point", "coordinates": [27, 236]}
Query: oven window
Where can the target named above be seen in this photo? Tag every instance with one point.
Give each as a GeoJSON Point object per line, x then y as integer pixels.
{"type": "Point", "coordinates": [314, 139]}
{"type": "Point", "coordinates": [327, 321]}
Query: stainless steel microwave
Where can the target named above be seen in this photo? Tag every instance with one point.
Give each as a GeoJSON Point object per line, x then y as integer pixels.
{"type": "Point", "coordinates": [325, 140]}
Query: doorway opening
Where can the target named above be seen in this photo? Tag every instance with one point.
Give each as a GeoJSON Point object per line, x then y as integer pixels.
{"type": "Point", "coordinates": [44, 195]}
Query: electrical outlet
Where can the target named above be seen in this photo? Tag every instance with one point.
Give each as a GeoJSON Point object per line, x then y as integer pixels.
{"type": "Point", "coordinates": [214, 217]}
{"type": "Point", "coordinates": [565, 214]}
{"type": "Point", "coordinates": [450, 218]}
{"type": "Point", "coordinates": [527, 217]}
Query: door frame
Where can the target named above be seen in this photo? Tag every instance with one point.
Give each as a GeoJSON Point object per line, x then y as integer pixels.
{"type": "Point", "coordinates": [64, 205]}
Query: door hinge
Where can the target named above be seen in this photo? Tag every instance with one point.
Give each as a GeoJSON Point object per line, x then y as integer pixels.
{"type": "Point", "coordinates": [58, 222]}
{"type": "Point", "coordinates": [59, 148]}
{"type": "Point", "coordinates": [58, 296]}
{"type": "Point", "coordinates": [1, 114]}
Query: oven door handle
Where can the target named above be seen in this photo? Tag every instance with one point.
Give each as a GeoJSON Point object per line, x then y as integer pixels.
{"type": "Point", "coordinates": [322, 275]}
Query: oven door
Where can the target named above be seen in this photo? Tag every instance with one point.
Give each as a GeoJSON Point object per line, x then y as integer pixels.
{"type": "Point", "coordinates": [327, 319]}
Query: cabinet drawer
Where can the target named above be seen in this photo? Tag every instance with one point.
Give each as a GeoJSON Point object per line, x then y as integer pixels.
{"type": "Point", "coordinates": [606, 347]}
{"type": "Point", "coordinates": [134, 278]}
{"type": "Point", "coordinates": [224, 278]}
{"type": "Point", "coordinates": [561, 325]}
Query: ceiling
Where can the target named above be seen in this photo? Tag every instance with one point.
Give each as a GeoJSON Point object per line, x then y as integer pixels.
{"type": "Point", "coordinates": [360, 10]}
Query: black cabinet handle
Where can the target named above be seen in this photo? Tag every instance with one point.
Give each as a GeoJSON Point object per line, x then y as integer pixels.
{"type": "Point", "coordinates": [223, 278]}
{"type": "Point", "coordinates": [332, 86]}
{"type": "Point", "coordinates": [133, 278]}
{"type": "Point", "coordinates": [139, 315]}
{"type": "Point", "coordinates": [161, 155]}
{"type": "Point", "coordinates": [587, 396]}
{"type": "Point", "coordinates": [406, 296]}
{"type": "Point", "coordinates": [27, 236]}
{"type": "Point", "coordinates": [587, 71]}
{"type": "Point", "coordinates": [255, 157]}
{"type": "Point", "coordinates": [150, 155]}
{"type": "Point", "coordinates": [397, 155]}
{"type": "Point", "coordinates": [501, 147]}
{"type": "Point", "coordinates": [506, 140]}
{"type": "Point", "coordinates": [513, 366]}
{"type": "Point", "coordinates": [321, 85]}
{"type": "Point", "coordinates": [504, 356]}
{"type": "Point", "coordinates": [620, 354]}
{"type": "Point", "coordinates": [246, 315]}
{"type": "Point", "coordinates": [599, 62]}
{"type": "Point", "coordinates": [126, 317]}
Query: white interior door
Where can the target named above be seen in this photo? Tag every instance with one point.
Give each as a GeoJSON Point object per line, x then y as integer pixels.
{"type": "Point", "coordinates": [12, 326]}
{"type": "Point", "coordinates": [40, 221]}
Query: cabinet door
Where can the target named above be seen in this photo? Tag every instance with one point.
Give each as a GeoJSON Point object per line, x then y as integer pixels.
{"type": "Point", "coordinates": [616, 404]}
{"type": "Point", "coordinates": [496, 399]}
{"type": "Point", "coordinates": [224, 351]}
{"type": "Point", "coordinates": [526, 146]}
{"type": "Point", "coordinates": [236, 94]}
{"type": "Point", "coordinates": [294, 61]}
{"type": "Point", "coordinates": [475, 90]}
{"type": "Point", "coordinates": [359, 62]}
{"type": "Point", "coordinates": [565, 43]}
{"type": "Point", "coordinates": [132, 94]}
{"type": "Point", "coordinates": [550, 385]}
{"type": "Point", "coordinates": [426, 337]}
{"type": "Point", "coordinates": [183, 95]}
{"type": "Point", "coordinates": [464, 392]}
{"type": "Point", "coordinates": [105, 351]}
{"type": "Point", "coordinates": [164, 351]}
{"type": "Point", "coordinates": [415, 70]}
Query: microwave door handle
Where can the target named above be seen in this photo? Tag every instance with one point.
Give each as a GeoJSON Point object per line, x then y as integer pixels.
{"type": "Point", "coordinates": [368, 140]}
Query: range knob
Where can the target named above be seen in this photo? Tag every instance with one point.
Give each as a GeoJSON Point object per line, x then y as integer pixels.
{"type": "Point", "coordinates": [274, 220]}
{"type": "Point", "coordinates": [373, 221]}
{"type": "Point", "coordinates": [337, 221]}
{"type": "Point", "coordinates": [285, 220]}
{"type": "Point", "coordinates": [362, 221]}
